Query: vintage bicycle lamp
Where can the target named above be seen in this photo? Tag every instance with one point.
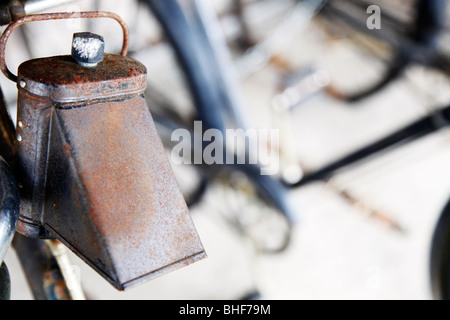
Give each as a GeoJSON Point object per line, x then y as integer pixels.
{"type": "Point", "coordinates": [91, 168]}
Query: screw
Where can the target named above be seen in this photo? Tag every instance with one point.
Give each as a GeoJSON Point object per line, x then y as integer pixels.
{"type": "Point", "coordinates": [88, 49]}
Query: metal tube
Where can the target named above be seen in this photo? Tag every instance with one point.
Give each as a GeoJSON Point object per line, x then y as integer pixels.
{"type": "Point", "coordinates": [409, 133]}
{"type": "Point", "coordinates": [9, 207]}
{"type": "Point", "coordinates": [430, 21]}
{"type": "Point", "coordinates": [217, 54]}
{"type": "Point", "coordinates": [60, 253]}
{"type": "Point", "coordinates": [43, 273]}
{"type": "Point", "coordinates": [187, 47]}
{"type": "Point", "coordinates": [440, 258]}
{"type": "Point", "coordinates": [5, 283]}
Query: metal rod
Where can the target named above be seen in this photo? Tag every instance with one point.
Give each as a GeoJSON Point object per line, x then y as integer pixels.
{"type": "Point", "coordinates": [41, 268]}
{"type": "Point", "coordinates": [60, 252]}
{"type": "Point", "coordinates": [9, 207]}
{"type": "Point", "coordinates": [215, 50]}
{"type": "Point", "coordinates": [440, 258]}
{"type": "Point", "coordinates": [430, 21]}
{"type": "Point", "coordinates": [187, 46]}
{"type": "Point", "coordinates": [5, 283]}
{"type": "Point", "coordinates": [7, 132]}
{"type": "Point", "coordinates": [409, 133]}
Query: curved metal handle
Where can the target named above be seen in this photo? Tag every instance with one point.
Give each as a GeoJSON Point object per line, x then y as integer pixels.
{"type": "Point", "coordinates": [55, 16]}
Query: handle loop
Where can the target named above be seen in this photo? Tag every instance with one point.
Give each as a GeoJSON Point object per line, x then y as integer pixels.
{"type": "Point", "coordinates": [55, 16]}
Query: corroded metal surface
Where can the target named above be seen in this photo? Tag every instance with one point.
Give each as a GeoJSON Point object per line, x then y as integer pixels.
{"type": "Point", "coordinates": [93, 171]}
{"type": "Point", "coordinates": [55, 16]}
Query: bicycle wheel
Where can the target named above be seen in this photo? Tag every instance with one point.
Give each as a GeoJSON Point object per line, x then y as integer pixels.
{"type": "Point", "coordinates": [440, 257]}
{"type": "Point", "coordinates": [251, 213]}
{"type": "Point", "coordinates": [408, 32]}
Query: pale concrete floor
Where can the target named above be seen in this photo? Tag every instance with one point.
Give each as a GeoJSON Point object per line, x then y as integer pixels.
{"type": "Point", "coordinates": [338, 250]}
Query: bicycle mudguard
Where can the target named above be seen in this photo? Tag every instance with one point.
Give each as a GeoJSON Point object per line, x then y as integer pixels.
{"type": "Point", "coordinates": [92, 170]}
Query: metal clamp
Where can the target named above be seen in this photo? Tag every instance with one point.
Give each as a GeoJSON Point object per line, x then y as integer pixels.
{"type": "Point", "coordinates": [55, 16]}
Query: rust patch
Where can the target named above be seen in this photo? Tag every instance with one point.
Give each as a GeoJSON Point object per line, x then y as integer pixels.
{"type": "Point", "coordinates": [134, 201]}
{"type": "Point", "coordinates": [61, 80]}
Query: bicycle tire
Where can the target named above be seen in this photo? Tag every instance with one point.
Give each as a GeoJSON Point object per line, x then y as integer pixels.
{"type": "Point", "coordinates": [440, 257]}
{"type": "Point", "coordinates": [427, 26]}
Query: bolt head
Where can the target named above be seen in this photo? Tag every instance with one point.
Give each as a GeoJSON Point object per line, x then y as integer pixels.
{"type": "Point", "coordinates": [88, 48]}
